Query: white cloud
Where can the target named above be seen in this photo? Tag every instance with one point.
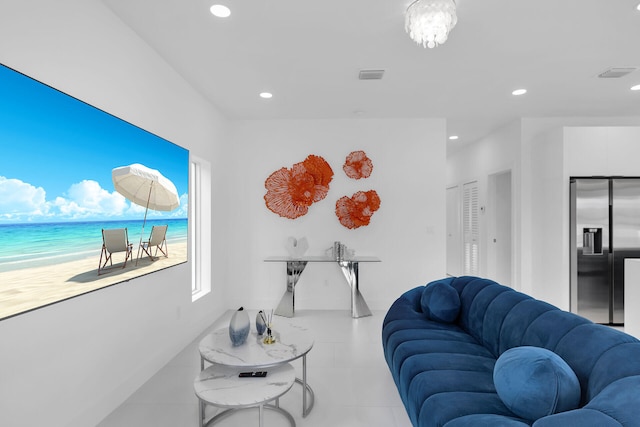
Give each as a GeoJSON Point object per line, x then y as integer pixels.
{"type": "Point", "coordinates": [87, 199]}
{"type": "Point", "coordinates": [183, 210]}
{"type": "Point", "coordinates": [18, 199]}
{"type": "Point", "coordinates": [135, 210]}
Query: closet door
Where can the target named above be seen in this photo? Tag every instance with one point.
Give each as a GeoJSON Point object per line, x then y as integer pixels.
{"type": "Point", "coordinates": [470, 228]}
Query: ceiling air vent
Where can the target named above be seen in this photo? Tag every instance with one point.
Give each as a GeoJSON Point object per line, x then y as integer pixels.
{"type": "Point", "coordinates": [371, 74]}
{"type": "Point", "coordinates": [616, 72]}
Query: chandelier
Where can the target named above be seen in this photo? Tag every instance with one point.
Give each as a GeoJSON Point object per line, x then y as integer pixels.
{"type": "Point", "coordinates": [428, 22]}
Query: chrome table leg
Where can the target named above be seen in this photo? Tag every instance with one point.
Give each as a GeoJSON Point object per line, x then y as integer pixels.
{"type": "Point", "coordinates": [359, 307]}
{"type": "Point", "coordinates": [286, 307]}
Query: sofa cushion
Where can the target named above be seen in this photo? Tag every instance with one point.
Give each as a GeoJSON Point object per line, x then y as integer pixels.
{"type": "Point", "coordinates": [550, 328]}
{"type": "Point", "coordinates": [578, 418]}
{"type": "Point", "coordinates": [518, 320]}
{"type": "Point", "coordinates": [583, 347]}
{"type": "Point", "coordinates": [440, 302]}
{"type": "Point", "coordinates": [534, 382]}
{"type": "Point", "coordinates": [428, 384]}
{"type": "Point", "coordinates": [495, 316]}
{"type": "Point", "coordinates": [620, 361]}
{"type": "Point", "coordinates": [425, 346]}
{"type": "Point", "coordinates": [443, 407]}
{"type": "Point", "coordinates": [394, 333]}
{"type": "Point", "coordinates": [486, 420]}
{"type": "Point", "coordinates": [430, 362]}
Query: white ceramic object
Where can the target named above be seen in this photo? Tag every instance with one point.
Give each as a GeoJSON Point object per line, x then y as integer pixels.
{"type": "Point", "coordinates": [239, 327]}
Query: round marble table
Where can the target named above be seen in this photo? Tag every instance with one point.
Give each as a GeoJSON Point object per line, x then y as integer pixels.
{"type": "Point", "coordinates": [221, 386]}
{"type": "Point", "coordinates": [293, 341]}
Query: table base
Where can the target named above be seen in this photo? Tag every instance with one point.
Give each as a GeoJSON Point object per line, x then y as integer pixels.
{"type": "Point", "coordinates": [306, 388]}
{"type": "Point", "coordinates": [308, 396]}
{"type": "Point", "coordinates": [228, 412]}
{"type": "Point", "coordinates": [359, 307]}
{"type": "Point", "coordinates": [220, 386]}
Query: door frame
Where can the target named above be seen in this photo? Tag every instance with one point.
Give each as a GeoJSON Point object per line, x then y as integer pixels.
{"type": "Point", "coordinates": [500, 244]}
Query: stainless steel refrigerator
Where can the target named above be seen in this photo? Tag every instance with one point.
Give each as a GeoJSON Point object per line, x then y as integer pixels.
{"type": "Point", "coordinates": [605, 229]}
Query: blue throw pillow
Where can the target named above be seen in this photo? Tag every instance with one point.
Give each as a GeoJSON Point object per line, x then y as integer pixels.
{"type": "Point", "coordinates": [534, 382]}
{"type": "Point", "coordinates": [440, 302]}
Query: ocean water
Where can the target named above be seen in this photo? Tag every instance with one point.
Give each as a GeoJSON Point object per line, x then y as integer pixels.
{"type": "Point", "coordinates": [34, 245]}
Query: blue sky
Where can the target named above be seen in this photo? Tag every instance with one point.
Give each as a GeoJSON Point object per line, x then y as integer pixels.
{"type": "Point", "coordinates": [57, 154]}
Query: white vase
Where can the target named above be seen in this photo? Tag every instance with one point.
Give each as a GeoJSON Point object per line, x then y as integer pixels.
{"type": "Point", "coordinates": [239, 327]}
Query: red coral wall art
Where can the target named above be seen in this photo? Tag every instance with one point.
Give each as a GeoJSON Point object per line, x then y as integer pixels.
{"type": "Point", "coordinates": [290, 192]}
{"type": "Point", "coordinates": [358, 165]}
{"type": "Point", "coordinates": [356, 211]}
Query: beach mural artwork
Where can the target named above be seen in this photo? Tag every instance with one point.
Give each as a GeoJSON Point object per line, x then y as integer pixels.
{"type": "Point", "coordinates": [59, 164]}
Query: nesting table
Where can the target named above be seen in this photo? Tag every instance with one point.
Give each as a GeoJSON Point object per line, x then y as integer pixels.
{"type": "Point", "coordinates": [221, 386]}
{"type": "Point", "coordinates": [293, 341]}
{"type": "Point", "coordinates": [349, 267]}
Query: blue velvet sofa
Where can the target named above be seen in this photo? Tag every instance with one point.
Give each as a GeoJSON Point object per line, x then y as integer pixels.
{"type": "Point", "coordinates": [467, 351]}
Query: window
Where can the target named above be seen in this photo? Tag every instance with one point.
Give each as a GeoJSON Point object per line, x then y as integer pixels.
{"type": "Point", "coordinates": [200, 226]}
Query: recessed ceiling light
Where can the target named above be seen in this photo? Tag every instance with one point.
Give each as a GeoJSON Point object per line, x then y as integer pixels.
{"type": "Point", "coordinates": [266, 95]}
{"type": "Point", "coordinates": [453, 137]}
{"type": "Point", "coordinates": [518, 92]}
{"type": "Point", "coordinates": [220, 11]}
{"type": "Point", "coordinates": [638, 6]}
{"type": "Point", "coordinates": [636, 87]}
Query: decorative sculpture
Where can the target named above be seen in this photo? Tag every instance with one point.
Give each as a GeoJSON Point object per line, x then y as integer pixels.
{"type": "Point", "coordinates": [290, 192]}
{"type": "Point", "coordinates": [357, 165]}
{"type": "Point", "coordinates": [356, 211]}
{"type": "Point", "coordinates": [297, 247]}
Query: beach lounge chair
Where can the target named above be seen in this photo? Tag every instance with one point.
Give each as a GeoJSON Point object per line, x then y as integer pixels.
{"type": "Point", "coordinates": [157, 239]}
{"type": "Point", "coordinates": [113, 241]}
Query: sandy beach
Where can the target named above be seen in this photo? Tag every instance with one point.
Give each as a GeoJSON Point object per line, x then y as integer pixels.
{"type": "Point", "coordinates": [29, 288]}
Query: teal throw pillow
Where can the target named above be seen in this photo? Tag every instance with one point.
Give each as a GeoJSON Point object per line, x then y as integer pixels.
{"type": "Point", "coordinates": [534, 382]}
{"type": "Point", "coordinates": [440, 302]}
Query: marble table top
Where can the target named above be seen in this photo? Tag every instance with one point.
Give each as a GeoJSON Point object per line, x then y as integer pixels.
{"type": "Point", "coordinates": [221, 386]}
{"type": "Point", "coordinates": [321, 258]}
{"type": "Point", "coordinates": [293, 340]}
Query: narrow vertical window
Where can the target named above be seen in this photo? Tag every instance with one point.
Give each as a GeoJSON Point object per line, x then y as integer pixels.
{"type": "Point", "coordinates": [200, 226]}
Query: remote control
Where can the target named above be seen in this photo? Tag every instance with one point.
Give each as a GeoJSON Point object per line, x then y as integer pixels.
{"type": "Point", "coordinates": [259, 374]}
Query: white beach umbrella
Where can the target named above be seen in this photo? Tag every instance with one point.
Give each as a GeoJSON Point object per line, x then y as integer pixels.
{"type": "Point", "coordinates": [145, 187]}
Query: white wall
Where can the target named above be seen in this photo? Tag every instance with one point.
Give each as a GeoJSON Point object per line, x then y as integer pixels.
{"type": "Point", "coordinates": [73, 362]}
{"type": "Point", "coordinates": [604, 151]}
{"type": "Point", "coordinates": [546, 221]}
{"type": "Point", "coordinates": [498, 152]}
{"type": "Point", "coordinates": [407, 232]}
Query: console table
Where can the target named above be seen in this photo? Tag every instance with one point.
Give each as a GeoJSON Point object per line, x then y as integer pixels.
{"type": "Point", "coordinates": [295, 267]}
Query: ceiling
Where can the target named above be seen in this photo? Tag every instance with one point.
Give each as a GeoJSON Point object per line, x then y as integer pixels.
{"type": "Point", "coordinates": [309, 53]}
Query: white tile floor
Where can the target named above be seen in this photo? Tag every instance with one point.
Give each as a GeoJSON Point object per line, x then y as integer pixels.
{"type": "Point", "coordinates": [345, 368]}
